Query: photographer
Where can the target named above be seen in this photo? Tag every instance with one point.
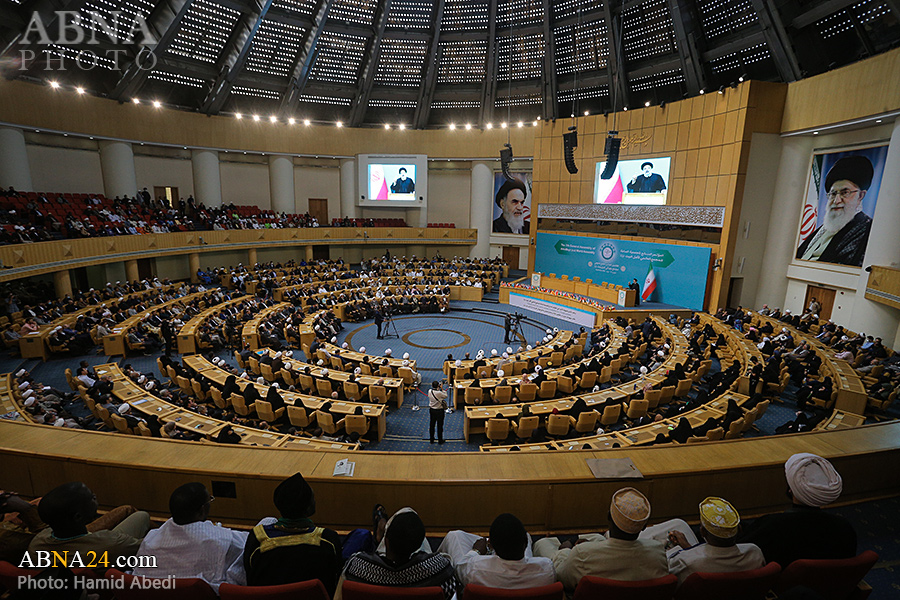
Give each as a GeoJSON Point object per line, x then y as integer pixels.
{"type": "Point", "coordinates": [437, 404]}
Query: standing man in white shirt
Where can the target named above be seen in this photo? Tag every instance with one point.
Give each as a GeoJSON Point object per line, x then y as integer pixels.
{"type": "Point", "coordinates": [503, 560]}
{"type": "Point", "coordinates": [189, 545]}
{"type": "Point", "coordinates": [437, 404]}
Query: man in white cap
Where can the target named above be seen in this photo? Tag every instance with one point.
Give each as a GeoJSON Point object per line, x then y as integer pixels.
{"type": "Point", "coordinates": [721, 553]}
{"type": "Point", "coordinates": [620, 554]}
{"type": "Point", "coordinates": [805, 530]}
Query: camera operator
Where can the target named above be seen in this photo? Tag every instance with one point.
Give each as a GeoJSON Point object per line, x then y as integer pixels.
{"type": "Point", "coordinates": [437, 404]}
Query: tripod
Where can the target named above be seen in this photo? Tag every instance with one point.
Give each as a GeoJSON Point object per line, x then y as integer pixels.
{"type": "Point", "coordinates": [388, 328]}
{"type": "Point", "coordinates": [515, 331]}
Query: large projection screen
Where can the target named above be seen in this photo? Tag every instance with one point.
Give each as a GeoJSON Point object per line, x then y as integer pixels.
{"type": "Point", "coordinates": [392, 180]}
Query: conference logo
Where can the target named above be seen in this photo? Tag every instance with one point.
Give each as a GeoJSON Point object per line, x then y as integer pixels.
{"type": "Point", "coordinates": [69, 39]}
{"type": "Point", "coordinates": [607, 251]}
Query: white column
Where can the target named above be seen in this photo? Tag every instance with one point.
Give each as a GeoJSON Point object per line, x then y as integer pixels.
{"type": "Point", "coordinates": [14, 169]}
{"type": "Point", "coordinates": [117, 165]}
{"type": "Point", "coordinates": [348, 189]}
{"type": "Point", "coordinates": [481, 208]}
{"type": "Point", "coordinates": [207, 182]}
{"type": "Point", "coordinates": [882, 250]}
{"type": "Point", "coordinates": [781, 241]}
{"type": "Point", "coordinates": [281, 183]}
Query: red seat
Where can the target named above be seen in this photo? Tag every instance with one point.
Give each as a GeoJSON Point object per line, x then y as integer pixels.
{"type": "Point", "coordinates": [661, 588]}
{"type": "Point", "coordinates": [302, 590]}
{"type": "Point", "coordinates": [743, 585]}
{"type": "Point", "coordinates": [832, 579]}
{"type": "Point", "coordinates": [185, 589]}
{"type": "Point", "coordinates": [353, 590]}
{"type": "Point", "coordinates": [546, 592]}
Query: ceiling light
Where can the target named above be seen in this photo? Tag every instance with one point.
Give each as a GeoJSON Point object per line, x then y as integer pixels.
{"type": "Point", "coordinates": [878, 120]}
{"type": "Point", "coordinates": [587, 112]}
{"type": "Point", "coordinates": [702, 91]}
{"type": "Point", "coordinates": [339, 124]}
{"type": "Point", "coordinates": [292, 121]}
{"type": "Point", "coordinates": [54, 85]}
{"type": "Point", "coordinates": [452, 126]}
{"type": "Point", "coordinates": [401, 126]}
{"type": "Point", "coordinates": [80, 90]}
{"type": "Point", "coordinates": [238, 116]}
{"type": "Point", "coordinates": [157, 104]}
{"type": "Point", "coordinates": [256, 117]}
{"type": "Point", "coordinates": [815, 133]}
{"type": "Point", "coordinates": [468, 126]}
{"type": "Point", "coordinates": [273, 119]}
{"type": "Point", "coordinates": [387, 125]}
{"type": "Point", "coordinates": [503, 125]}
{"type": "Point", "coordinates": [647, 103]}
{"type": "Point", "coordinates": [520, 124]}
{"type": "Point", "coordinates": [538, 118]}
{"type": "Point", "coordinates": [624, 108]}
{"type": "Point", "coordinates": [306, 122]}
{"type": "Point", "coordinates": [136, 100]}
{"type": "Point", "coordinates": [490, 125]}
{"type": "Point", "coordinates": [534, 123]}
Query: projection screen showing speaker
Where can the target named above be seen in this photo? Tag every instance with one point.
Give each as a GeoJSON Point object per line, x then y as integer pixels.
{"type": "Point", "coordinates": [635, 181]}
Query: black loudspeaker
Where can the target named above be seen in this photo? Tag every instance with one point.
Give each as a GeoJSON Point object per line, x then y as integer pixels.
{"type": "Point", "coordinates": [506, 156]}
{"type": "Point", "coordinates": [570, 142]}
{"type": "Point", "coordinates": [612, 157]}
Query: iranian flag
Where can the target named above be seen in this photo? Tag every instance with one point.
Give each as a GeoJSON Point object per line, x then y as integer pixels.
{"type": "Point", "coordinates": [609, 191]}
{"type": "Point", "coordinates": [649, 284]}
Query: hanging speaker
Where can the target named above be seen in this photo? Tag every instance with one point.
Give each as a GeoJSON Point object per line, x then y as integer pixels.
{"type": "Point", "coordinates": [506, 156]}
{"type": "Point", "coordinates": [612, 155]}
{"type": "Point", "coordinates": [570, 142]}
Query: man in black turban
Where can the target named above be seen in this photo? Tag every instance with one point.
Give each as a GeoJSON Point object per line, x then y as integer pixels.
{"type": "Point", "coordinates": [843, 235]}
{"type": "Point", "coordinates": [292, 548]}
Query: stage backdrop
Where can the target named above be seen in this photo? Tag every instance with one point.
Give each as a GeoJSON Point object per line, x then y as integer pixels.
{"type": "Point", "coordinates": [680, 271]}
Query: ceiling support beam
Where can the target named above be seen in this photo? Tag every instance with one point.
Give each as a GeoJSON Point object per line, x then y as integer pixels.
{"type": "Point", "coordinates": [777, 40]}
{"type": "Point", "coordinates": [305, 59]}
{"type": "Point", "coordinates": [615, 61]}
{"type": "Point", "coordinates": [549, 85]}
{"type": "Point", "coordinates": [688, 50]}
{"type": "Point", "coordinates": [489, 89]}
{"type": "Point", "coordinates": [430, 70]}
{"type": "Point", "coordinates": [369, 66]}
{"type": "Point", "coordinates": [235, 57]}
{"type": "Point", "coordinates": [165, 22]}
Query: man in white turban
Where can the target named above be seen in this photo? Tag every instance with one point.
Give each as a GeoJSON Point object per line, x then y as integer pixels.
{"type": "Point", "coordinates": [805, 530]}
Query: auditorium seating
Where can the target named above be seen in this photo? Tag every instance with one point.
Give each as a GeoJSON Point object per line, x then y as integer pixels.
{"type": "Point", "coordinates": [353, 590]}
{"type": "Point", "coordinates": [743, 585]}
{"type": "Point", "coordinates": [832, 579]}
{"type": "Point", "coordinates": [185, 589]}
{"type": "Point", "coordinates": [599, 588]}
{"type": "Point", "coordinates": [479, 592]}
{"type": "Point", "coordinates": [303, 590]}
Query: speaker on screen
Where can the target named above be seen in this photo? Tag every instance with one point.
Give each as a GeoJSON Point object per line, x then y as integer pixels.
{"type": "Point", "coordinates": [506, 156]}
{"type": "Point", "coordinates": [570, 142]}
{"type": "Point", "coordinates": [612, 156]}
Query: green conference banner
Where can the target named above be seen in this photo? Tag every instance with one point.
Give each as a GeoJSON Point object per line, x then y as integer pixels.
{"type": "Point", "coordinates": [680, 272]}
